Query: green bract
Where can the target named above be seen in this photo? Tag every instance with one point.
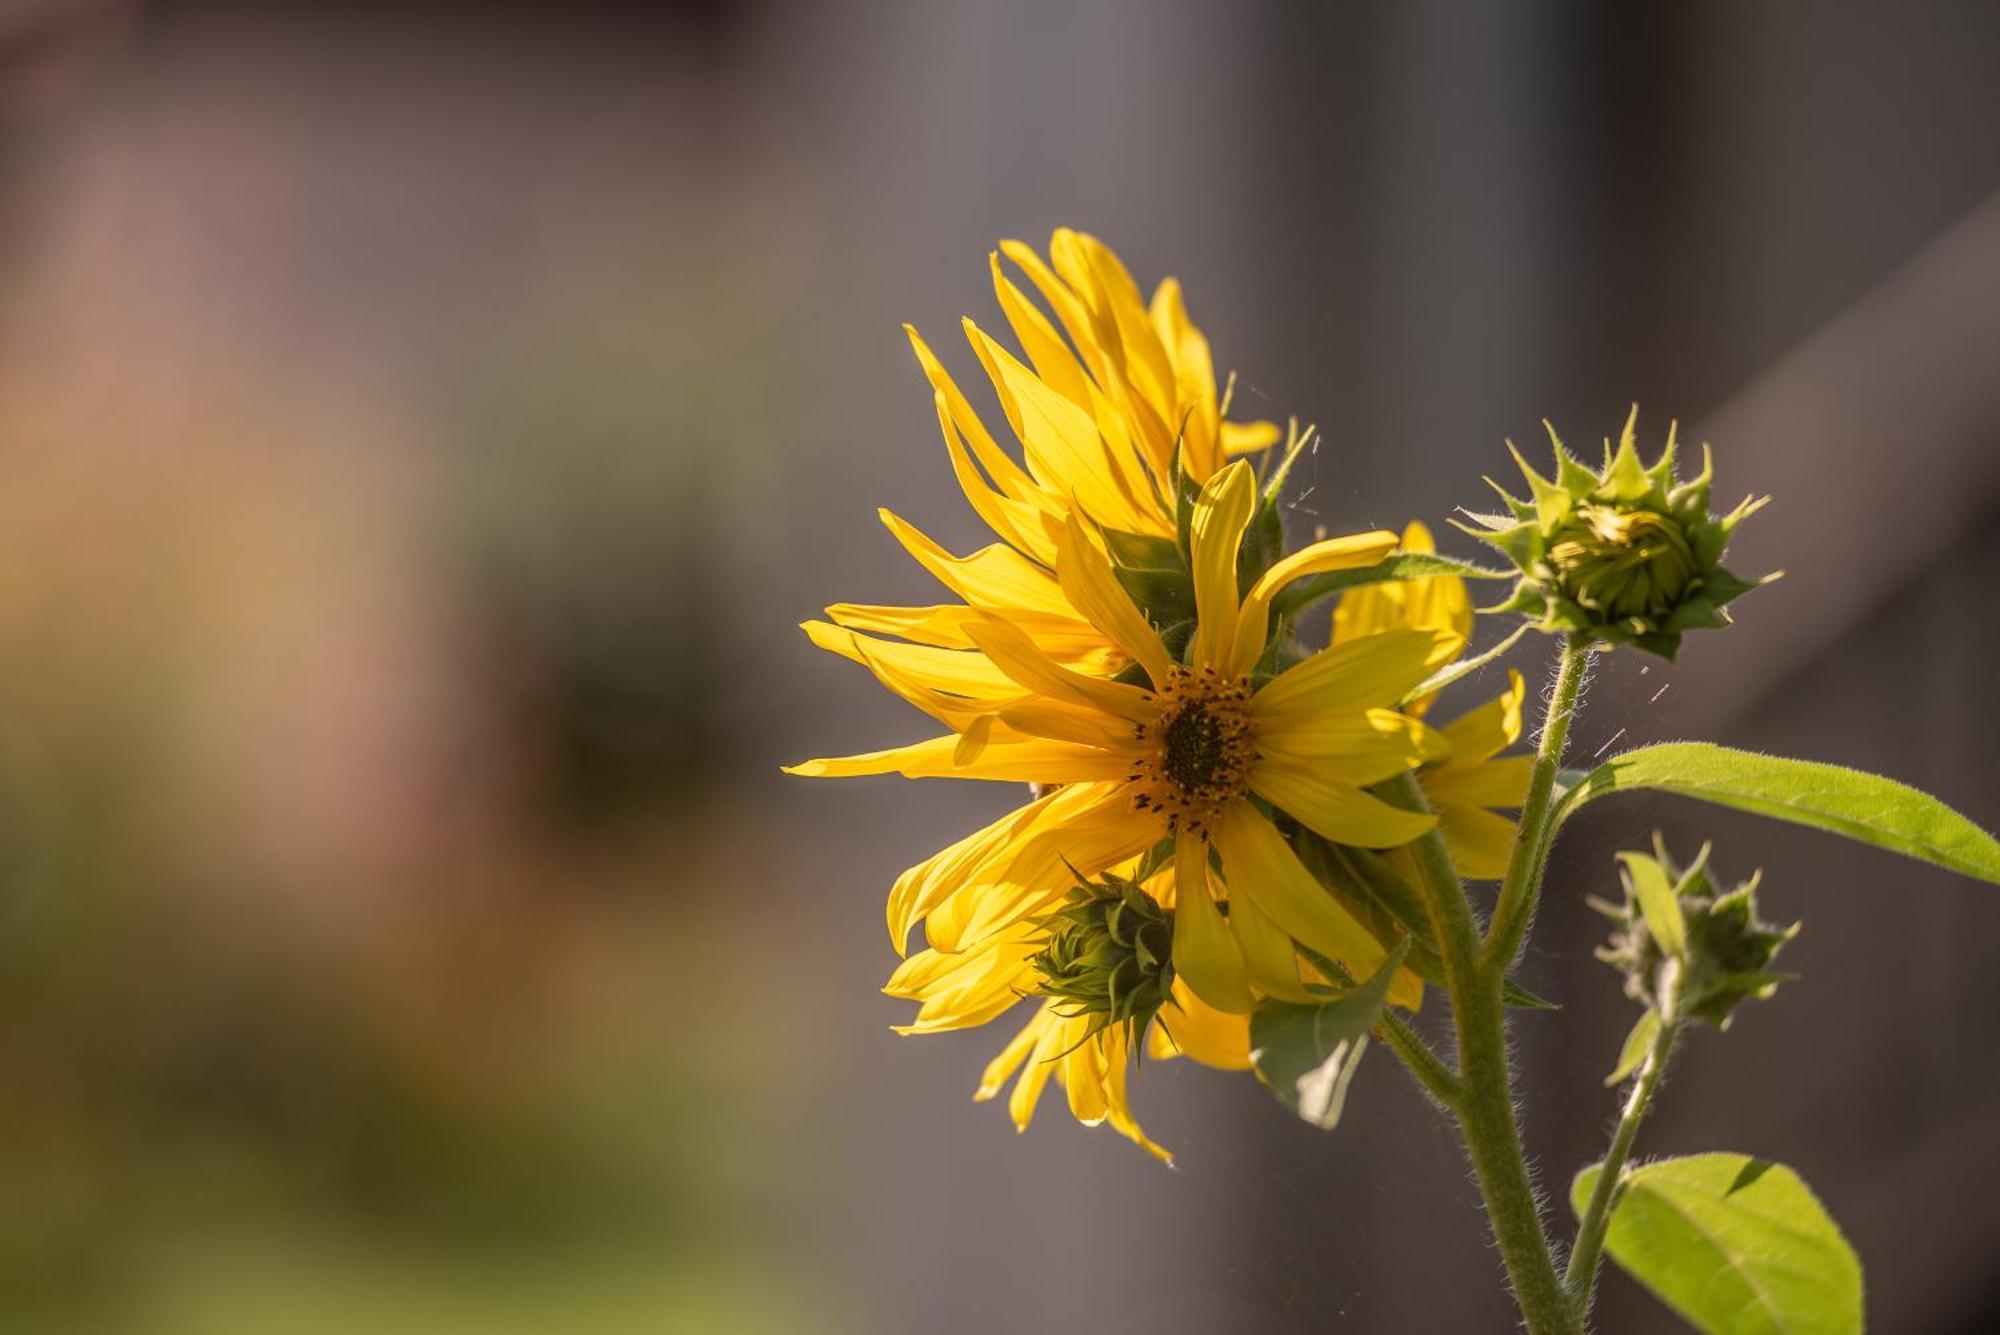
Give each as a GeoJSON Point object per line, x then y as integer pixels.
{"type": "Point", "coordinates": [1109, 954]}
{"type": "Point", "coordinates": [1627, 555]}
{"type": "Point", "coordinates": [1675, 921]}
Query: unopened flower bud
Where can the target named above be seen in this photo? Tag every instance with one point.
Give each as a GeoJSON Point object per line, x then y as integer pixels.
{"type": "Point", "coordinates": [1109, 954]}
{"type": "Point", "coordinates": [1687, 948]}
{"type": "Point", "coordinates": [1624, 555]}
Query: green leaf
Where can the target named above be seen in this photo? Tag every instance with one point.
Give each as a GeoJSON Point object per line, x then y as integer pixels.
{"type": "Point", "coordinates": [1403, 565]}
{"type": "Point", "coordinates": [1864, 807]}
{"type": "Point", "coordinates": [1656, 901]}
{"type": "Point", "coordinates": [1735, 1245]}
{"type": "Point", "coordinates": [1516, 997]}
{"type": "Point", "coordinates": [1308, 1054]}
{"type": "Point", "coordinates": [1637, 1044]}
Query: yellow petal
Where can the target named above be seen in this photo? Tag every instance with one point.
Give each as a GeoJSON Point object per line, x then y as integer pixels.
{"type": "Point", "coordinates": [1017, 522]}
{"type": "Point", "coordinates": [1191, 1027]}
{"type": "Point", "coordinates": [1337, 811]}
{"type": "Point", "coordinates": [1491, 728]}
{"type": "Point", "coordinates": [1501, 783]}
{"type": "Point", "coordinates": [1268, 952]}
{"type": "Point", "coordinates": [1258, 862]}
{"type": "Point", "coordinates": [1194, 380]}
{"type": "Point", "coordinates": [950, 685]}
{"type": "Point", "coordinates": [1093, 588]}
{"type": "Point", "coordinates": [996, 577]}
{"type": "Point", "coordinates": [1009, 1061]}
{"type": "Point", "coordinates": [1479, 841]}
{"type": "Point", "coordinates": [1205, 951]}
{"type": "Point", "coordinates": [1016, 656]}
{"type": "Point", "coordinates": [1084, 1077]}
{"type": "Point", "coordinates": [1033, 761]}
{"type": "Point", "coordinates": [1069, 723]}
{"type": "Point", "coordinates": [1068, 640]}
{"type": "Point", "coordinates": [1047, 352]}
{"type": "Point", "coordinates": [1376, 670]}
{"type": "Point", "coordinates": [1215, 532]}
{"type": "Point", "coordinates": [1045, 865]}
{"type": "Point", "coordinates": [1064, 449]}
{"type": "Point", "coordinates": [1035, 1076]}
{"type": "Point", "coordinates": [1347, 553]}
{"type": "Point", "coordinates": [1436, 602]}
{"type": "Point", "coordinates": [1364, 746]}
{"type": "Point", "coordinates": [968, 989]}
{"type": "Point", "coordinates": [982, 855]}
{"type": "Point", "coordinates": [1248, 437]}
{"type": "Point", "coordinates": [1070, 310]}
{"type": "Point", "coordinates": [1006, 474]}
{"type": "Point", "coordinates": [1118, 1106]}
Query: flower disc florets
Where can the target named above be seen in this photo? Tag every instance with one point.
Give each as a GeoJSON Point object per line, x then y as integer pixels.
{"type": "Point", "coordinates": [1718, 951]}
{"type": "Point", "coordinates": [1195, 754]}
{"type": "Point", "coordinates": [1626, 555]}
{"type": "Point", "coordinates": [1109, 954]}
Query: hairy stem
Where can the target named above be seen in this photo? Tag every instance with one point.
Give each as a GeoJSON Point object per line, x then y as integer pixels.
{"type": "Point", "coordinates": [1485, 1107]}
{"type": "Point", "coordinates": [1580, 1279]}
{"type": "Point", "coordinates": [1424, 1065]}
{"type": "Point", "coordinates": [1522, 885]}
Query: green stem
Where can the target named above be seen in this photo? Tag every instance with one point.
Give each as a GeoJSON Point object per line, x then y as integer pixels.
{"type": "Point", "coordinates": [1581, 1277]}
{"type": "Point", "coordinates": [1522, 885]}
{"type": "Point", "coordinates": [1485, 1108]}
{"type": "Point", "coordinates": [1424, 1065]}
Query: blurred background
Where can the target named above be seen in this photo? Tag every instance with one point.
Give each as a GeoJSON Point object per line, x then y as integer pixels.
{"type": "Point", "coordinates": [421, 427]}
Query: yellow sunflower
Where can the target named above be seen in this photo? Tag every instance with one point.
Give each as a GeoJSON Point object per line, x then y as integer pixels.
{"type": "Point", "coordinates": [1194, 757]}
{"type": "Point", "coordinates": [1475, 783]}
{"type": "Point", "coordinates": [1099, 409]}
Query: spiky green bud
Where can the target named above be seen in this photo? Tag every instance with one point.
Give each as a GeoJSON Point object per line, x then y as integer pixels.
{"type": "Point", "coordinates": [1625, 555]}
{"type": "Point", "coordinates": [1109, 954]}
{"type": "Point", "coordinates": [1686, 946]}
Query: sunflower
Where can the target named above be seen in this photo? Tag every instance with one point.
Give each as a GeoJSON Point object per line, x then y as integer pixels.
{"type": "Point", "coordinates": [1475, 782]}
{"type": "Point", "coordinates": [1193, 758]}
{"type": "Point", "coordinates": [1102, 409]}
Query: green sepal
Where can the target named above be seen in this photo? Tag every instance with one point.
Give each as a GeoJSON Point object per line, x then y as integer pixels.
{"type": "Point", "coordinates": [1107, 953]}
{"type": "Point", "coordinates": [1140, 551]}
{"type": "Point", "coordinates": [1302, 593]}
{"type": "Point", "coordinates": [1163, 596]}
{"type": "Point", "coordinates": [1186, 492]}
{"type": "Point", "coordinates": [1637, 1044]}
{"type": "Point", "coordinates": [1306, 1055]}
{"type": "Point", "coordinates": [1263, 543]}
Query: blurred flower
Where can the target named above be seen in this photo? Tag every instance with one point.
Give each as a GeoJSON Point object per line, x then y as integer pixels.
{"type": "Point", "coordinates": [1475, 782]}
{"type": "Point", "coordinates": [1437, 602]}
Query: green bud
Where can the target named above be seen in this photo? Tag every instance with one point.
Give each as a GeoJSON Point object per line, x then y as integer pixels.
{"type": "Point", "coordinates": [1625, 555]}
{"type": "Point", "coordinates": [1686, 947]}
{"type": "Point", "coordinates": [1109, 954]}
